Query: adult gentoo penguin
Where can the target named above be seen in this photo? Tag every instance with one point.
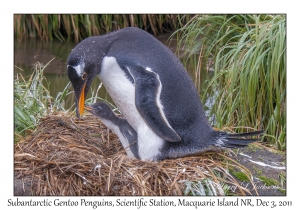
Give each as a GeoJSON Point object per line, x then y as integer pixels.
{"type": "Point", "coordinates": [154, 92]}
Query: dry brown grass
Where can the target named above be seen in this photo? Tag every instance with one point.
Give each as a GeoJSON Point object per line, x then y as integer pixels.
{"type": "Point", "coordinates": [66, 156]}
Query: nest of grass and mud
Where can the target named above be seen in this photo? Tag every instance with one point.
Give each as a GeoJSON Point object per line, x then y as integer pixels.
{"type": "Point", "coordinates": [68, 156]}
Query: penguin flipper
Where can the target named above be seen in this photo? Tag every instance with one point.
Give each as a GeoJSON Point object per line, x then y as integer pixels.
{"type": "Point", "coordinates": [130, 134]}
{"type": "Point", "coordinates": [148, 104]}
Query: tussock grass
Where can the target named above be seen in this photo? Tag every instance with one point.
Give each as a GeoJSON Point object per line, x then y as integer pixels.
{"type": "Point", "coordinates": [75, 27]}
{"type": "Point", "coordinates": [32, 100]}
{"type": "Point", "coordinates": [249, 56]}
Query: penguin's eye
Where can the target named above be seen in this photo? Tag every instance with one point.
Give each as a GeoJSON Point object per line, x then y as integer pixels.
{"type": "Point", "coordinates": [84, 75]}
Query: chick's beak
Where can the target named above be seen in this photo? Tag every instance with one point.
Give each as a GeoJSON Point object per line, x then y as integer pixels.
{"type": "Point", "coordinates": [87, 107]}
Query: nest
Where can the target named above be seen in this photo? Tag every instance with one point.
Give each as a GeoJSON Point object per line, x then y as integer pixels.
{"type": "Point", "coordinates": [67, 156]}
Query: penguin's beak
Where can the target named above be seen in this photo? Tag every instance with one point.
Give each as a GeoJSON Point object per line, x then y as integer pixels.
{"type": "Point", "coordinates": [81, 91]}
{"type": "Point", "coordinates": [89, 108]}
{"type": "Point", "coordinates": [80, 103]}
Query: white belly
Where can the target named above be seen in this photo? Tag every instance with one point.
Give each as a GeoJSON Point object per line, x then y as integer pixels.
{"type": "Point", "coordinates": [122, 91]}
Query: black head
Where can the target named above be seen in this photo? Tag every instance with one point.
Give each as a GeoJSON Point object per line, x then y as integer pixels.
{"type": "Point", "coordinates": [100, 110]}
{"type": "Point", "coordinates": [82, 67]}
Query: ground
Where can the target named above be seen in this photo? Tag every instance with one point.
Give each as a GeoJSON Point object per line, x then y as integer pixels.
{"type": "Point", "coordinates": [268, 168]}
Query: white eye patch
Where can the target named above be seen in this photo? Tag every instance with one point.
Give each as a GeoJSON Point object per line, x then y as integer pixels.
{"type": "Point", "coordinates": [79, 68]}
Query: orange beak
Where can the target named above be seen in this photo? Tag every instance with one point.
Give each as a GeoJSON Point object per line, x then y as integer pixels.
{"type": "Point", "coordinates": [81, 102]}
